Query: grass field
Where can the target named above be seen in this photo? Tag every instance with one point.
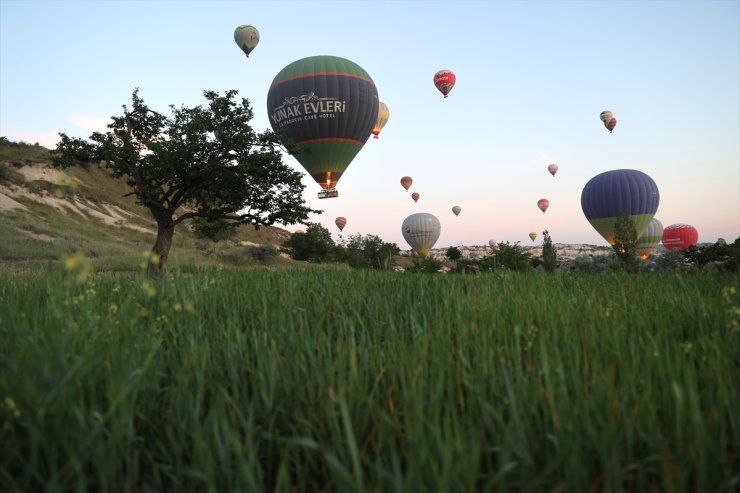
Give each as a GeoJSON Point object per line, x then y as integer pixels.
{"type": "Point", "coordinates": [337, 380]}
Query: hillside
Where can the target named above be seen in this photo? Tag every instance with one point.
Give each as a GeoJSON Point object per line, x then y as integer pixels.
{"type": "Point", "coordinates": [46, 214]}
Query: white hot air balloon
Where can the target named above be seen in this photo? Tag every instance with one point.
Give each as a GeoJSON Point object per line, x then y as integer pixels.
{"type": "Point", "coordinates": [421, 231]}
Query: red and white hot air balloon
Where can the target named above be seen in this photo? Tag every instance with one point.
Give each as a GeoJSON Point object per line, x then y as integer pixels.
{"type": "Point", "coordinates": [444, 81]}
{"type": "Point", "coordinates": [406, 182]}
{"type": "Point", "coordinates": [415, 196]}
{"type": "Point", "coordinates": [679, 236]}
{"type": "Point", "coordinates": [553, 168]}
{"type": "Point", "coordinates": [543, 204]}
{"type": "Point", "coordinates": [341, 222]}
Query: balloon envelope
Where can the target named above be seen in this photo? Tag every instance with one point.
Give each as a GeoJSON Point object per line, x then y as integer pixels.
{"type": "Point", "coordinates": [415, 196]}
{"type": "Point", "coordinates": [326, 106]}
{"type": "Point", "coordinates": [421, 231]}
{"type": "Point", "coordinates": [383, 115]}
{"type": "Point", "coordinates": [445, 80]}
{"type": "Point", "coordinates": [341, 222]}
{"type": "Point", "coordinates": [456, 210]}
{"type": "Point", "coordinates": [543, 204]}
{"type": "Point", "coordinates": [492, 243]}
{"type": "Point", "coordinates": [608, 194]}
{"type": "Point", "coordinates": [406, 182]}
{"type": "Point", "coordinates": [650, 239]}
{"type": "Point", "coordinates": [679, 236]}
{"type": "Point", "coordinates": [246, 38]}
{"type": "Point", "coordinates": [605, 116]}
{"type": "Point", "coordinates": [553, 168]}
{"type": "Point", "coordinates": [611, 124]}
{"type": "Point", "coordinates": [532, 235]}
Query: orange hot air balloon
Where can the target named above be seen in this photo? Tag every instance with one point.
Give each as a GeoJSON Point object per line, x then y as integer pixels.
{"type": "Point", "coordinates": [341, 222]}
{"type": "Point", "coordinates": [415, 196]}
{"type": "Point", "coordinates": [445, 80]}
{"type": "Point", "coordinates": [543, 204]}
{"type": "Point", "coordinates": [611, 124]}
{"type": "Point", "coordinates": [532, 235]}
{"type": "Point", "coordinates": [406, 182]}
{"type": "Point", "coordinates": [553, 168]}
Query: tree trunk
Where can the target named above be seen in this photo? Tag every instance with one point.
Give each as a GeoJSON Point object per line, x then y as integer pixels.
{"type": "Point", "coordinates": [161, 249]}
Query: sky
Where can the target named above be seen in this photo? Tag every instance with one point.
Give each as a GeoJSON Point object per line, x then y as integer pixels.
{"type": "Point", "coordinates": [532, 79]}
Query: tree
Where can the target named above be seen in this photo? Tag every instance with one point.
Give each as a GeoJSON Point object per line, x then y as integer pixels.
{"type": "Point", "coordinates": [549, 255]}
{"type": "Point", "coordinates": [213, 229]}
{"type": "Point", "coordinates": [199, 162]}
{"type": "Point", "coordinates": [453, 254]}
{"type": "Point", "coordinates": [313, 245]}
{"type": "Point", "coordinates": [625, 239]}
{"type": "Point", "coordinates": [368, 252]}
{"type": "Point", "coordinates": [508, 256]}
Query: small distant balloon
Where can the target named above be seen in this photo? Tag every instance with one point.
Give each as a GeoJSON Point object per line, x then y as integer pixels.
{"type": "Point", "coordinates": [543, 204]}
{"type": "Point", "coordinates": [553, 168]}
{"type": "Point", "coordinates": [605, 116]}
{"type": "Point", "coordinates": [532, 235]}
{"type": "Point", "coordinates": [456, 210]}
{"type": "Point", "coordinates": [246, 38]}
{"type": "Point", "coordinates": [611, 124]}
{"type": "Point", "coordinates": [492, 243]}
{"type": "Point", "coordinates": [415, 196]}
{"type": "Point", "coordinates": [445, 80]}
{"type": "Point", "coordinates": [383, 115]}
{"type": "Point", "coordinates": [341, 222]}
{"type": "Point", "coordinates": [406, 182]}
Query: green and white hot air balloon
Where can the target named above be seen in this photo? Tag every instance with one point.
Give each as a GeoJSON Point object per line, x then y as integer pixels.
{"type": "Point", "coordinates": [246, 38]}
{"type": "Point", "coordinates": [650, 239]}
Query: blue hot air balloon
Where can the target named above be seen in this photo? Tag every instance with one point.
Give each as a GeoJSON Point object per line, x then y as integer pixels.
{"type": "Point", "coordinates": [626, 191]}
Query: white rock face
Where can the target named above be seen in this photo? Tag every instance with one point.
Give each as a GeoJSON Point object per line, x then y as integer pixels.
{"type": "Point", "coordinates": [565, 251]}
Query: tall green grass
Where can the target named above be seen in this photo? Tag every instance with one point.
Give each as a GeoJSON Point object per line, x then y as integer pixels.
{"type": "Point", "coordinates": [338, 380]}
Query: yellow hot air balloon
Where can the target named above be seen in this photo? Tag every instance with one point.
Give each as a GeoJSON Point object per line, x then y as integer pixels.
{"type": "Point", "coordinates": [383, 115]}
{"type": "Point", "coordinates": [533, 235]}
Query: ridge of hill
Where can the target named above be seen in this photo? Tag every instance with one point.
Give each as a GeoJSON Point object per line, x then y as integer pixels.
{"type": "Point", "coordinates": [46, 214]}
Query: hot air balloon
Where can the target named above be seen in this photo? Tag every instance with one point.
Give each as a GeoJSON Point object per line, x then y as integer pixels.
{"type": "Point", "coordinates": [456, 210]}
{"type": "Point", "coordinates": [650, 239]}
{"type": "Point", "coordinates": [421, 232]}
{"type": "Point", "coordinates": [532, 235]}
{"type": "Point", "coordinates": [611, 124]}
{"type": "Point", "coordinates": [383, 115]}
{"type": "Point", "coordinates": [341, 222]}
{"type": "Point", "coordinates": [605, 116]}
{"type": "Point", "coordinates": [326, 106]}
{"type": "Point", "coordinates": [415, 196]}
{"type": "Point", "coordinates": [543, 204]}
{"type": "Point", "coordinates": [247, 38]}
{"type": "Point", "coordinates": [626, 191]}
{"type": "Point", "coordinates": [444, 80]}
{"type": "Point", "coordinates": [406, 182]}
{"type": "Point", "coordinates": [553, 168]}
{"type": "Point", "coordinates": [680, 236]}
{"type": "Point", "coordinates": [492, 243]}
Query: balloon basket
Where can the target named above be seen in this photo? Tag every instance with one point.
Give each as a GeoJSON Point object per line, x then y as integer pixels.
{"type": "Point", "coordinates": [329, 193]}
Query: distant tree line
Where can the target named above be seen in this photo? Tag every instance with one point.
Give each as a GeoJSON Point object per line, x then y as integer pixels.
{"type": "Point", "coordinates": [370, 252]}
